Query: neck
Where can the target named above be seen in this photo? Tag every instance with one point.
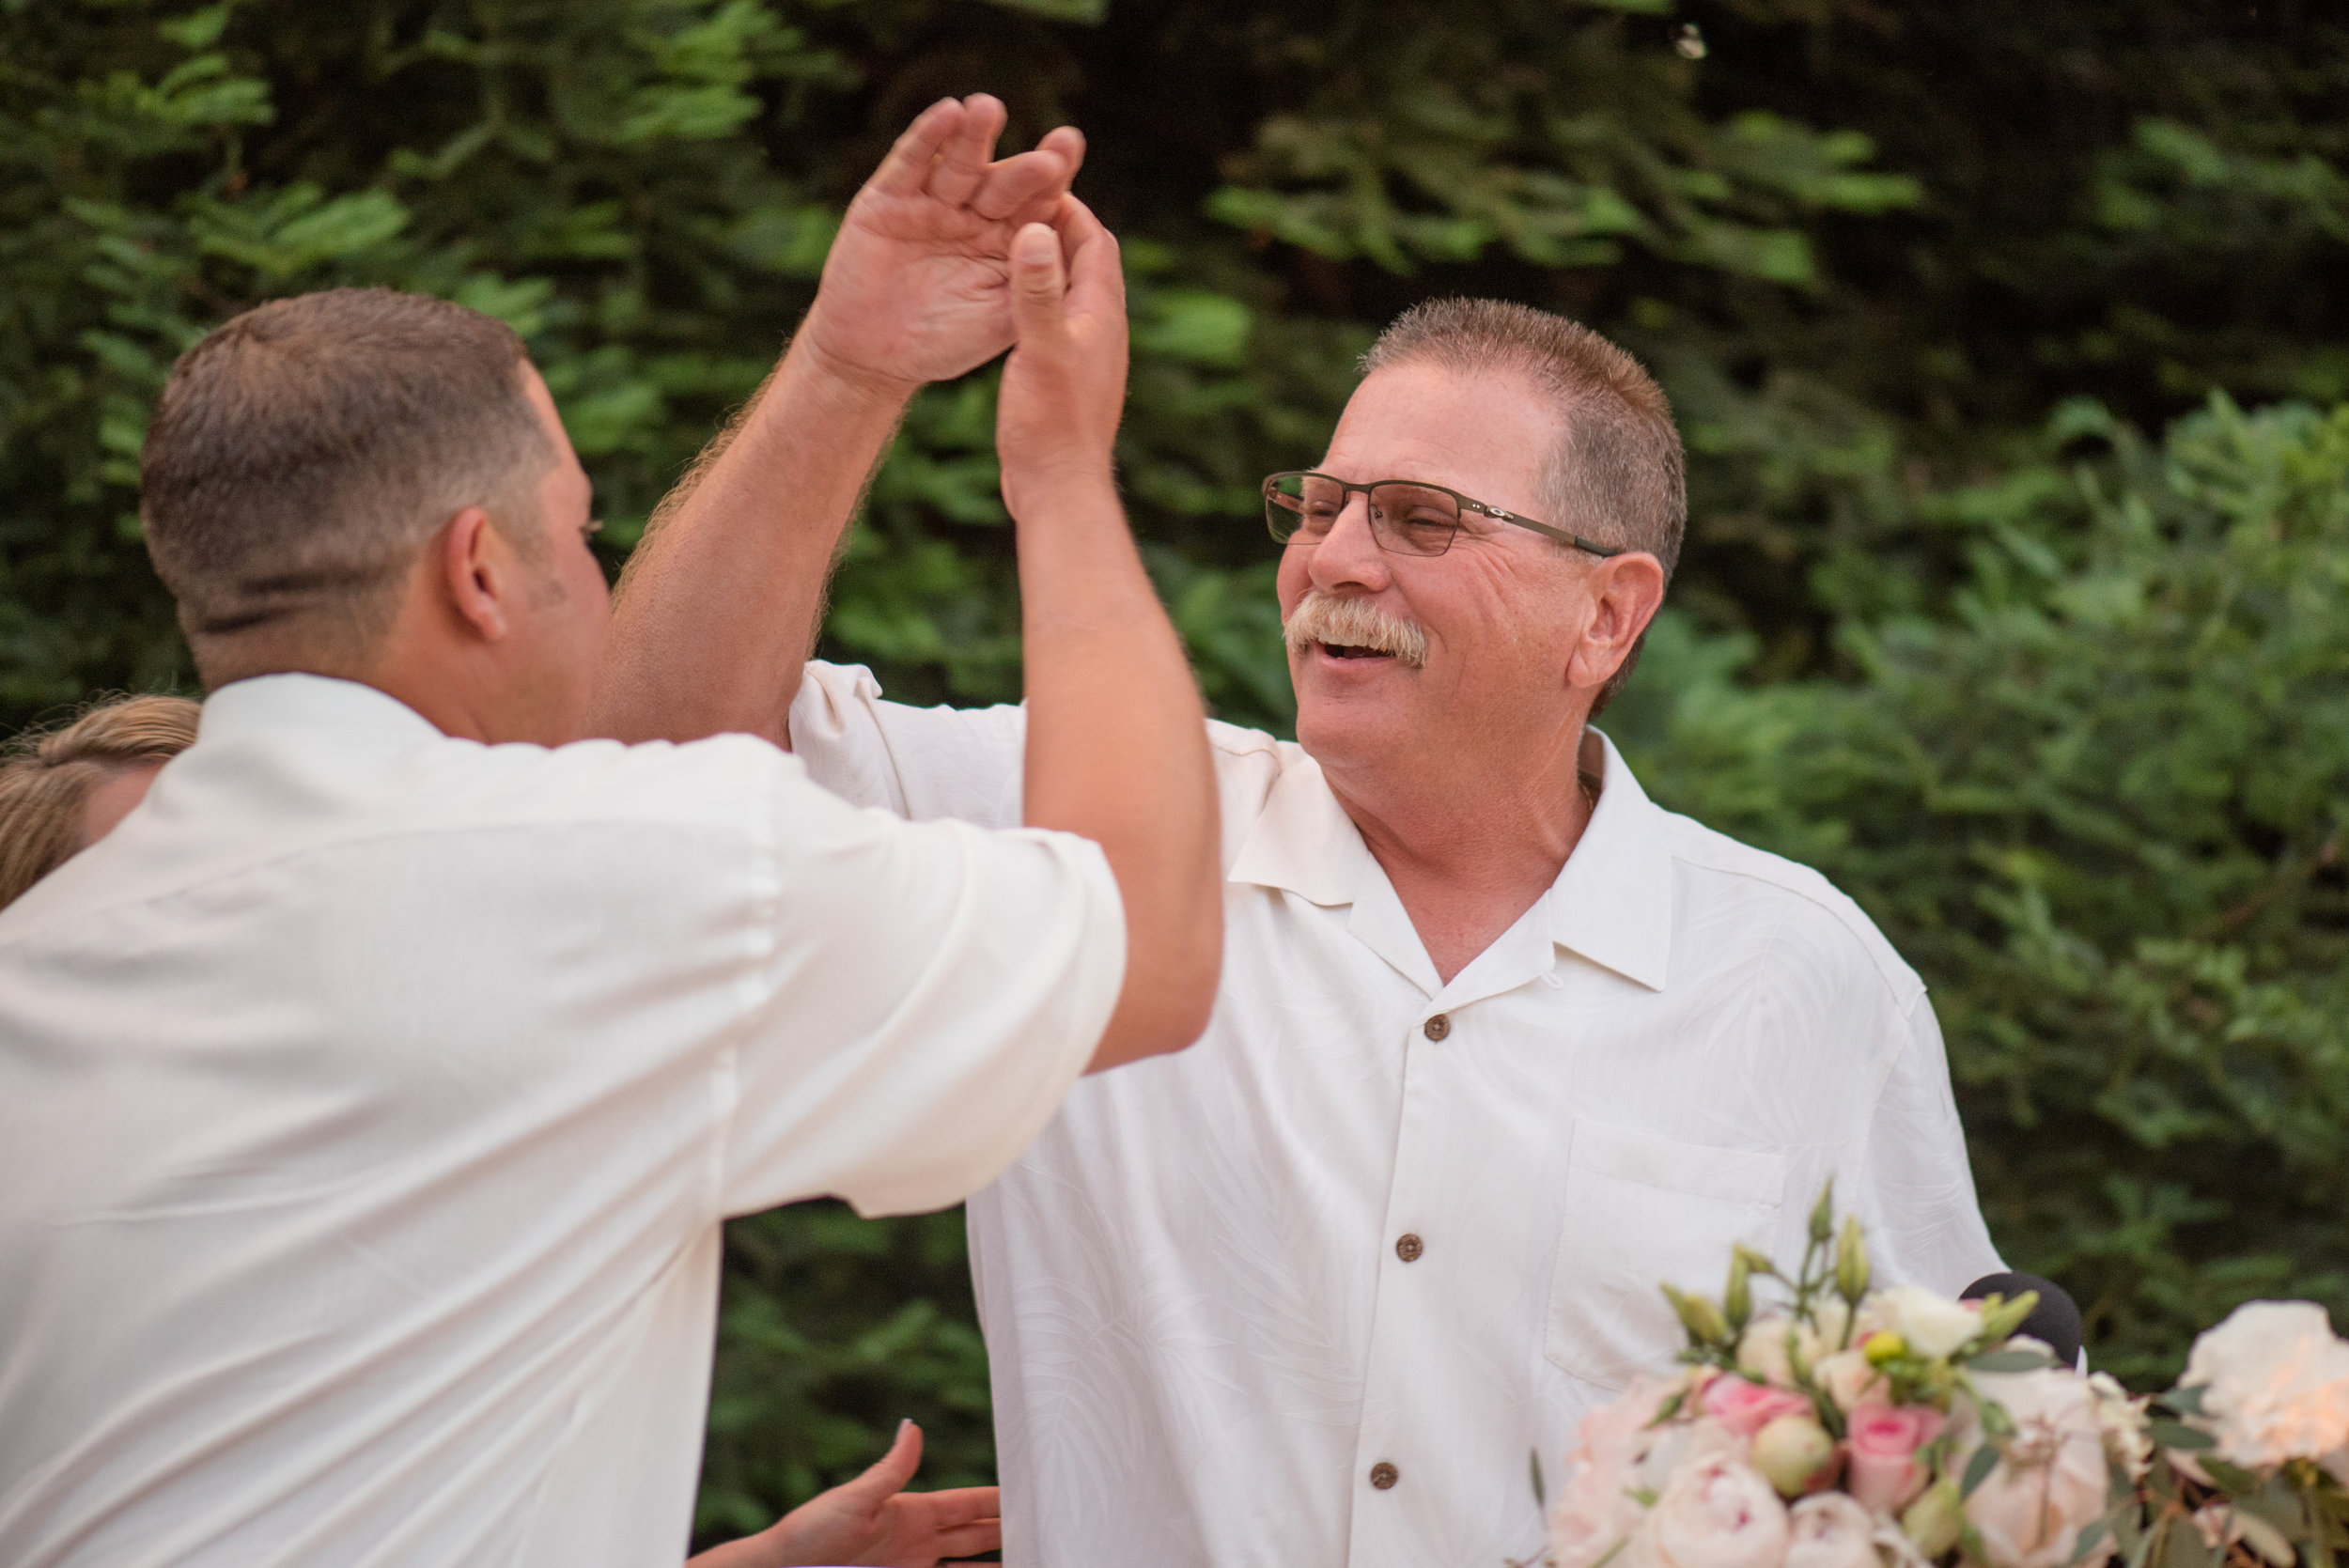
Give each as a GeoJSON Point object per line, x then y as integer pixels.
{"type": "Point", "coordinates": [1470, 848]}
{"type": "Point", "coordinates": [439, 683]}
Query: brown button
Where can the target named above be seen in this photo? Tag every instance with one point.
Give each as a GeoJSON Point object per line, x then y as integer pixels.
{"type": "Point", "coordinates": [1408, 1247]}
{"type": "Point", "coordinates": [1383, 1475]}
{"type": "Point", "coordinates": [1437, 1027]}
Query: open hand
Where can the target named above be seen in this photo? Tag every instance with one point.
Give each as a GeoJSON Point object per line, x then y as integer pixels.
{"type": "Point", "coordinates": [1064, 385]}
{"type": "Point", "coordinates": [917, 287]}
{"type": "Point", "coordinates": [873, 1519]}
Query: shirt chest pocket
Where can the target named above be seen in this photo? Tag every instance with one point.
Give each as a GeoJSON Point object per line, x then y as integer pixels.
{"type": "Point", "coordinates": [1642, 1211]}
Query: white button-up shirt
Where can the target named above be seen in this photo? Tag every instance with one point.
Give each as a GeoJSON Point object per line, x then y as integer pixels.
{"type": "Point", "coordinates": [1378, 1228]}
{"type": "Point", "coordinates": [370, 1100]}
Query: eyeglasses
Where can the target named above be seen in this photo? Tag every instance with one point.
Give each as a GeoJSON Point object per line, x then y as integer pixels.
{"type": "Point", "coordinates": [1405, 515]}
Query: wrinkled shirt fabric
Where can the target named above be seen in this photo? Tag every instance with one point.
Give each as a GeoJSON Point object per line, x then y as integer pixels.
{"type": "Point", "coordinates": [1211, 1338]}
{"type": "Point", "coordinates": [370, 1101]}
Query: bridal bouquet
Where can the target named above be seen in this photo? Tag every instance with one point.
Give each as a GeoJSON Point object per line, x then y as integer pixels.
{"type": "Point", "coordinates": [1845, 1427]}
{"type": "Point", "coordinates": [2255, 1449]}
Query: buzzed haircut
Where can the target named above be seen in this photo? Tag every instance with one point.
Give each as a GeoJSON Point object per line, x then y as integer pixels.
{"type": "Point", "coordinates": [1618, 475]}
{"type": "Point", "coordinates": [46, 777]}
{"type": "Point", "coordinates": [303, 453]}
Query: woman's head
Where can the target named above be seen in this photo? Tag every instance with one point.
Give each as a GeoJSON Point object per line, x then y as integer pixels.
{"type": "Point", "coordinates": [63, 789]}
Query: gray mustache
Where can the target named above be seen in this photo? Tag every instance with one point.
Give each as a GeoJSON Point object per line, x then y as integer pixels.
{"type": "Point", "coordinates": [1353, 623]}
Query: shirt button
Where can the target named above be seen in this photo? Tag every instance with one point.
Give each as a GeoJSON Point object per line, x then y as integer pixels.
{"type": "Point", "coordinates": [1408, 1247]}
{"type": "Point", "coordinates": [1383, 1475]}
{"type": "Point", "coordinates": [1437, 1027]}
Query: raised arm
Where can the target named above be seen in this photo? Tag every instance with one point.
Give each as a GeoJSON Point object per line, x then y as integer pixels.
{"type": "Point", "coordinates": [718, 607]}
{"type": "Point", "coordinates": [1116, 743]}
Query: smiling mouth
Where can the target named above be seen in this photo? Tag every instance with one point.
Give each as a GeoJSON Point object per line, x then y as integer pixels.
{"type": "Point", "coordinates": [1340, 650]}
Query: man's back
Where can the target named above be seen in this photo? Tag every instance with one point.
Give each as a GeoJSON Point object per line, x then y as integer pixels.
{"type": "Point", "coordinates": [374, 1097]}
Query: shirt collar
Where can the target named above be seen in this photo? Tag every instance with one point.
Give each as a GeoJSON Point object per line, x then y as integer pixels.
{"type": "Point", "coordinates": [264, 703]}
{"type": "Point", "coordinates": [1612, 902]}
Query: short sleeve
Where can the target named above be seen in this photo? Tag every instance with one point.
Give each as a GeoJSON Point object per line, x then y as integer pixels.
{"type": "Point", "coordinates": [922, 763]}
{"type": "Point", "coordinates": [1916, 1191]}
{"type": "Point", "coordinates": [929, 993]}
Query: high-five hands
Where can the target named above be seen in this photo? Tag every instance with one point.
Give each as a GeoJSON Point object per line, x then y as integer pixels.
{"type": "Point", "coordinates": [718, 604]}
{"type": "Point", "coordinates": [873, 1519]}
{"type": "Point", "coordinates": [1064, 385]}
{"type": "Point", "coordinates": [917, 287]}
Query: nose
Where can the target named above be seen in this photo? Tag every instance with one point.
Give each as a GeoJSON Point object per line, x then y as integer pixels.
{"type": "Point", "coordinates": [1348, 556]}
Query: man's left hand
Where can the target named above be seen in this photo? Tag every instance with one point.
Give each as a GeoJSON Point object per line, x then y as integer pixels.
{"type": "Point", "coordinates": [873, 1519]}
{"type": "Point", "coordinates": [917, 287]}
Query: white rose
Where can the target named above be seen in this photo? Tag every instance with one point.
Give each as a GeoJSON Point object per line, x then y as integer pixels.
{"type": "Point", "coordinates": [2274, 1381]}
{"type": "Point", "coordinates": [2123, 1418]}
{"type": "Point", "coordinates": [1830, 1531]}
{"type": "Point", "coordinates": [1717, 1512]}
{"type": "Point", "coordinates": [2052, 1481]}
{"type": "Point", "coordinates": [1931, 1325]}
{"type": "Point", "coordinates": [1763, 1350]}
{"type": "Point", "coordinates": [1849, 1380]}
{"type": "Point", "coordinates": [1674, 1448]}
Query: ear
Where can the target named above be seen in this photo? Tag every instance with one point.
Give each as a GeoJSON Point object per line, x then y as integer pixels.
{"type": "Point", "coordinates": [1625, 591]}
{"type": "Point", "coordinates": [477, 574]}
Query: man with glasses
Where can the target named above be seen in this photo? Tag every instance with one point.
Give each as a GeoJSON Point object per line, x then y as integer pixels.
{"type": "Point", "coordinates": [1500, 1046]}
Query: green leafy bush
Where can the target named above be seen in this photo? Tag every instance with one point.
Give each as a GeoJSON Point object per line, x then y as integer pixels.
{"type": "Point", "coordinates": [2101, 807]}
{"type": "Point", "coordinates": [2063, 722]}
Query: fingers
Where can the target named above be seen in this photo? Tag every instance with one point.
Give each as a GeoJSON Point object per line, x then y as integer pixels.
{"type": "Point", "coordinates": [985, 1536]}
{"type": "Point", "coordinates": [961, 1505]}
{"type": "Point", "coordinates": [907, 169]}
{"type": "Point", "coordinates": [963, 156]}
{"type": "Point", "coordinates": [1023, 189]}
{"type": "Point", "coordinates": [887, 1475]}
{"type": "Point", "coordinates": [1038, 285]}
{"type": "Point", "coordinates": [1069, 143]}
{"type": "Point", "coordinates": [1097, 281]}
{"type": "Point", "coordinates": [947, 153]}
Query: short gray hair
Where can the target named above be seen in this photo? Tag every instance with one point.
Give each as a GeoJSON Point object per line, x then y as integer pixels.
{"type": "Point", "coordinates": [304, 452]}
{"type": "Point", "coordinates": [1618, 477]}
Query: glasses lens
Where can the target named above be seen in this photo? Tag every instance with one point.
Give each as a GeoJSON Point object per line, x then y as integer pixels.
{"type": "Point", "coordinates": [1305, 504]}
{"type": "Point", "coordinates": [1413, 519]}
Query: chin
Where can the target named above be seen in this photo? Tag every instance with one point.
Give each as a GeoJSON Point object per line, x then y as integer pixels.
{"type": "Point", "coordinates": [1336, 733]}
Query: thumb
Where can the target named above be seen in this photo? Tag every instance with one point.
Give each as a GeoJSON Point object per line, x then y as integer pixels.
{"type": "Point", "coordinates": [1038, 283]}
{"type": "Point", "coordinates": [889, 1473]}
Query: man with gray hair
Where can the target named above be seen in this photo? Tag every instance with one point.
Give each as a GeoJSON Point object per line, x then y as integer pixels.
{"type": "Point", "coordinates": [1500, 1044]}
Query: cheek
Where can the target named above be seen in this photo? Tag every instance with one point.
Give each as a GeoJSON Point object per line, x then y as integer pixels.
{"type": "Point", "coordinates": [1289, 586]}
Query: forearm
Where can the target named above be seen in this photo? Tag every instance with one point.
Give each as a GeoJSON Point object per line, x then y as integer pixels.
{"type": "Point", "coordinates": [717, 610]}
{"type": "Point", "coordinates": [1116, 751]}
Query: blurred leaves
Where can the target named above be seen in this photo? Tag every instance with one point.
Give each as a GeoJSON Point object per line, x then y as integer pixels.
{"type": "Point", "coordinates": [2102, 807]}
{"type": "Point", "coordinates": [2059, 701]}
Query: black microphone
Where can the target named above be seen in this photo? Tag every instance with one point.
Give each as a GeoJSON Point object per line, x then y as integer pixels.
{"type": "Point", "coordinates": [2054, 1323]}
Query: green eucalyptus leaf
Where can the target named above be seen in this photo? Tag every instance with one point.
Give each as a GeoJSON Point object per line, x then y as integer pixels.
{"type": "Point", "coordinates": [2176, 1434]}
{"type": "Point", "coordinates": [1978, 1469]}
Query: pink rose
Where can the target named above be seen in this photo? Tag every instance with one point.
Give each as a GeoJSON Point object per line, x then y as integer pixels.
{"type": "Point", "coordinates": [1598, 1509]}
{"type": "Point", "coordinates": [1746, 1408]}
{"type": "Point", "coordinates": [1883, 1440]}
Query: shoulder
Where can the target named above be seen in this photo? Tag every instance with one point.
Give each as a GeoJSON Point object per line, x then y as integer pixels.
{"type": "Point", "coordinates": [321, 815]}
{"type": "Point", "coordinates": [1812, 924]}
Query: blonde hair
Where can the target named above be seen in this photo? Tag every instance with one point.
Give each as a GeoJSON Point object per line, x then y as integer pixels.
{"type": "Point", "coordinates": [46, 781]}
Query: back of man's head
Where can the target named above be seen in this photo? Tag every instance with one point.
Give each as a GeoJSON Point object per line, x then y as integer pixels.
{"type": "Point", "coordinates": [304, 451]}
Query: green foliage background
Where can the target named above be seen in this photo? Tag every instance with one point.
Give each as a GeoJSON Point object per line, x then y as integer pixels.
{"type": "Point", "coordinates": [2009, 337]}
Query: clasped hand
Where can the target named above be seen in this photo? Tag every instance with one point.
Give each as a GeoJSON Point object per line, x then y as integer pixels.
{"type": "Point", "coordinates": [917, 287]}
